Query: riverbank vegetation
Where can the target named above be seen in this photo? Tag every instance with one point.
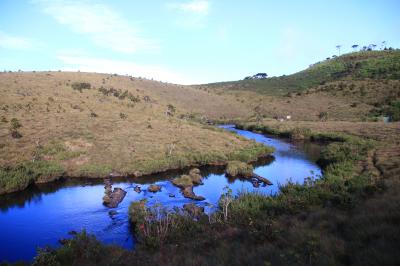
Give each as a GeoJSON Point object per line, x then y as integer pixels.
{"type": "Point", "coordinates": [326, 221]}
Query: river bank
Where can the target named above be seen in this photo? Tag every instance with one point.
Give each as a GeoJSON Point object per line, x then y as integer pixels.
{"type": "Point", "coordinates": [81, 200]}
{"type": "Point", "coordinates": [319, 222]}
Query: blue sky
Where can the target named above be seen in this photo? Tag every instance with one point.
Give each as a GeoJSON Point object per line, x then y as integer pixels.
{"type": "Point", "coordinates": [188, 41]}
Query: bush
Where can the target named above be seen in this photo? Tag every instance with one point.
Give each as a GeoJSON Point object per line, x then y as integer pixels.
{"type": "Point", "coordinates": [80, 86]}
{"type": "Point", "coordinates": [153, 225]}
{"type": "Point", "coordinates": [123, 116]}
{"type": "Point", "coordinates": [79, 250]}
{"type": "Point", "coordinates": [394, 111]}
{"type": "Point", "coordinates": [15, 124]}
{"type": "Point", "coordinates": [323, 116]}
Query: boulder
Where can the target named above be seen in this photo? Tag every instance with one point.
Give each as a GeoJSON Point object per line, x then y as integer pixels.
{"type": "Point", "coordinates": [137, 189]}
{"type": "Point", "coordinates": [114, 198]}
{"type": "Point", "coordinates": [188, 193]}
{"type": "Point", "coordinates": [154, 188]}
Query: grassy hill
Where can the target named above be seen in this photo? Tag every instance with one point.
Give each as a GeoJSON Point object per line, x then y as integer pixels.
{"type": "Point", "coordinates": [358, 65]}
{"type": "Point", "coordinates": [359, 86]}
{"type": "Point", "coordinates": [86, 124]}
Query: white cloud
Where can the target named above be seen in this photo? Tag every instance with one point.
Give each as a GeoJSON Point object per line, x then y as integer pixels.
{"type": "Point", "coordinates": [14, 42]}
{"type": "Point", "coordinates": [195, 6]}
{"type": "Point", "coordinates": [103, 26]}
{"type": "Point", "coordinates": [193, 14]}
{"type": "Point", "coordinates": [101, 65]}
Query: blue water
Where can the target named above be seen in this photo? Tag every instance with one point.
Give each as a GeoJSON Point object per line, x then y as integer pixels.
{"type": "Point", "coordinates": [42, 215]}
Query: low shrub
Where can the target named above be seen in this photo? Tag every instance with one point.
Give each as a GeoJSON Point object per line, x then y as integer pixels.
{"type": "Point", "coordinates": [80, 86]}
{"type": "Point", "coordinates": [123, 116]}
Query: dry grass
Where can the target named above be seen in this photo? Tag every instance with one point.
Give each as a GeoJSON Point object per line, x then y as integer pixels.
{"type": "Point", "coordinates": [389, 132]}
{"type": "Point", "coordinates": [96, 133]}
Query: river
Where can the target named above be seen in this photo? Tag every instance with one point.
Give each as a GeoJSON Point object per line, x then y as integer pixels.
{"type": "Point", "coordinates": [43, 214]}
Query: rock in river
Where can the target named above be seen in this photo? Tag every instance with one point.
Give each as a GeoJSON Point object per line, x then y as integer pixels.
{"type": "Point", "coordinates": [111, 198]}
{"type": "Point", "coordinates": [154, 188]}
{"type": "Point", "coordinates": [137, 189]}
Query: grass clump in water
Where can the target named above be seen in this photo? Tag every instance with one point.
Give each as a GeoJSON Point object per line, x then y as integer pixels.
{"type": "Point", "coordinates": [237, 168]}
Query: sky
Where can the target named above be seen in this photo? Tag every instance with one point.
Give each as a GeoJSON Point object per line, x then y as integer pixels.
{"type": "Point", "coordinates": [188, 41]}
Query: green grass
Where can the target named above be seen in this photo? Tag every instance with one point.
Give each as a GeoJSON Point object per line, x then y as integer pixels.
{"type": "Point", "coordinates": [366, 64]}
{"type": "Point", "coordinates": [58, 151]}
{"type": "Point", "coordinates": [247, 154]}
{"type": "Point", "coordinates": [21, 176]}
{"type": "Point", "coordinates": [236, 168]}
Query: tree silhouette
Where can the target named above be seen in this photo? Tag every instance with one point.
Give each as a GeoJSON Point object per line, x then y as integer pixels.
{"type": "Point", "coordinates": [338, 47]}
{"type": "Point", "coordinates": [354, 46]}
{"type": "Point", "coordinates": [383, 45]}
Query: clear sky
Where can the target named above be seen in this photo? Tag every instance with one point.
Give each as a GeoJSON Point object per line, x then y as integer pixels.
{"type": "Point", "coordinates": [189, 41]}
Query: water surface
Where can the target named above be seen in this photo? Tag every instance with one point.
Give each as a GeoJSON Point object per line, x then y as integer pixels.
{"type": "Point", "coordinates": [44, 214]}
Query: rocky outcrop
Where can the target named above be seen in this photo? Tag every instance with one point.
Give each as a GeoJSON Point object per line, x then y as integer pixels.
{"type": "Point", "coordinates": [112, 198]}
{"type": "Point", "coordinates": [193, 210]}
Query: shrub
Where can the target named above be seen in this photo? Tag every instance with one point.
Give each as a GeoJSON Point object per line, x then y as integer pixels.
{"type": "Point", "coordinates": [15, 124]}
{"type": "Point", "coordinates": [80, 86]}
{"type": "Point", "coordinates": [153, 225]}
{"type": "Point", "coordinates": [123, 116]}
{"type": "Point", "coordinates": [323, 116]}
{"type": "Point", "coordinates": [394, 111]}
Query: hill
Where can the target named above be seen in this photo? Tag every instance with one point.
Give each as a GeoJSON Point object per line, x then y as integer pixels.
{"type": "Point", "coordinates": [86, 124]}
{"type": "Point", "coordinates": [361, 86]}
{"type": "Point", "coordinates": [357, 65]}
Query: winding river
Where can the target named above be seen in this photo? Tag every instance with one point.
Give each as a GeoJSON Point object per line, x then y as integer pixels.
{"type": "Point", "coordinates": [43, 214]}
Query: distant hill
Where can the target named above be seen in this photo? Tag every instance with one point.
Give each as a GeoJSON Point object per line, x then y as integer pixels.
{"type": "Point", "coordinates": [358, 65]}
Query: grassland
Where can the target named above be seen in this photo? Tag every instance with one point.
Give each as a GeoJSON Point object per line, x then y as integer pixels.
{"type": "Point", "coordinates": [348, 217]}
{"type": "Point", "coordinates": [362, 86]}
{"type": "Point", "coordinates": [82, 124]}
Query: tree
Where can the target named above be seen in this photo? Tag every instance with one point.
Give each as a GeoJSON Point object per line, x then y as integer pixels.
{"type": "Point", "coordinates": [354, 46]}
{"type": "Point", "coordinates": [338, 47]}
{"type": "Point", "coordinates": [383, 45]}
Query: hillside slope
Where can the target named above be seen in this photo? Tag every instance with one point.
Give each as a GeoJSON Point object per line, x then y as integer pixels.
{"type": "Point", "coordinates": [358, 65]}
{"type": "Point", "coordinates": [82, 124]}
{"type": "Point", "coordinates": [358, 86]}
